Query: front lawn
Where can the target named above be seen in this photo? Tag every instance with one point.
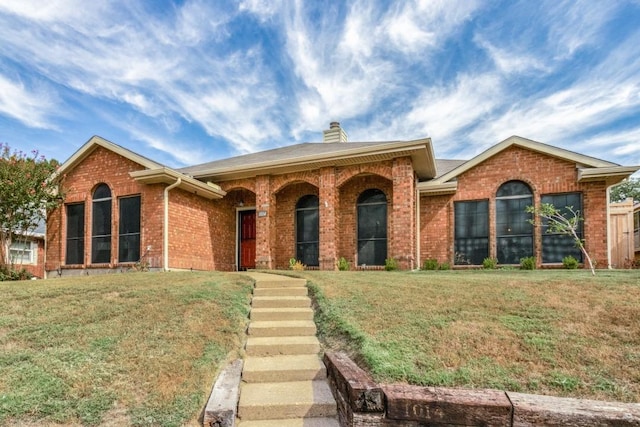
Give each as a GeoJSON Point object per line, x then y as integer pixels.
{"type": "Point", "coordinates": [562, 333]}
{"type": "Point", "coordinates": [123, 349]}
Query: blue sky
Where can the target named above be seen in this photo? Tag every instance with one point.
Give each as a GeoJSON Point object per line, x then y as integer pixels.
{"type": "Point", "coordinates": [187, 82]}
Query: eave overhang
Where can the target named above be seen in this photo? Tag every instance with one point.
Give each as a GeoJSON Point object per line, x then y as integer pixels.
{"type": "Point", "coordinates": [168, 176]}
{"type": "Point", "coordinates": [420, 151]}
{"type": "Point", "coordinates": [612, 174]}
{"type": "Point", "coordinates": [436, 188]}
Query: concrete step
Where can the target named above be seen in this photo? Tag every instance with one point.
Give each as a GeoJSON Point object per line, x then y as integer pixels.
{"type": "Point", "coordinates": [277, 292]}
{"type": "Point", "coordinates": [295, 422]}
{"type": "Point", "coordinates": [281, 314]}
{"type": "Point", "coordinates": [281, 328]}
{"type": "Point", "coordinates": [283, 368]}
{"type": "Point", "coordinates": [282, 400]}
{"type": "Point", "coordinates": [281, 283]}
{"type": "Point", "coordinates": [280, 302]}
{"type": "Point", "coordinates": [274, 346]}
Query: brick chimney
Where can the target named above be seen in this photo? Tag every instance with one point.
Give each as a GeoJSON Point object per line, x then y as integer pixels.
{"type": "Point", "coordinates": [335, 133]}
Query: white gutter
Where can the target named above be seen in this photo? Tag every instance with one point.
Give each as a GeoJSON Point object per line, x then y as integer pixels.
{"type": "Point", "coordinates": [165, 237]}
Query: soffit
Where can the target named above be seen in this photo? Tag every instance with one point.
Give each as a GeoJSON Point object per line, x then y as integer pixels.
{"type": "Point", "coordinates": [169, 176]}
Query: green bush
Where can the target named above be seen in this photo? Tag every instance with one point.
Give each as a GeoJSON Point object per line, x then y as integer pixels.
{"type": "Point", "coordinates": [343, 264]}
{"type": "Point", "coordinates": [390, 264]}
{"type": "Point", "coordinates": [490, 263]}
{"type": "Point", "coordinates": [430, 264]}
{"type": "Point", "coordinates": [9, 274]}
{"type": "Point", "coordinates": [445, 266]}
{"type": "Point", "coordinates": [528, 263]}
{"type": "Point", "coordinates": [570, 263]}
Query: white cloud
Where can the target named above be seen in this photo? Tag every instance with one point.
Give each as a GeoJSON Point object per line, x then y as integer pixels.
{"type": "Point", "coordinates": [32, 106]}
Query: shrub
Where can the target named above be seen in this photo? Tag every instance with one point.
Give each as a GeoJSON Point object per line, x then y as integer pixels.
{"type": "Point", "coordinates": [430, 264]}
{"type": "Point", "coordinates": [569, 262]}
{"type": "Point", "coordinates": [9, 274]}
{"type": "Point", "coordinates": [296, 265]}
{"type": "Point", "coordinates": [390, 264]}
{"type": "Point", "coordinates": [528, 263]}
{"type": "Point", "coordinates": [490, 263]}
{"type": "Point", "coordinates": [445, 266]}
{"type": "Point", "coordinates": [343, 264]}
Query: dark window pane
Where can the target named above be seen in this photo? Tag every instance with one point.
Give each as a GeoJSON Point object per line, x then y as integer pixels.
{"type": "Point", "coordinates": [556, 246]}
{"type": "Point", "coordinates": [511, 249]}
{"type": "Point", "coordinates": [101, 218]}
{"type": "Point", "coordinates": [75, 234]}
{"type": "Point", "coordinates": [130, 215]}
{"type": "Point", "coordinates": [129, 248]}
{"type": "Point", "coordinates": [513, 188]}
{"type": "Point", "coordinates": [514, 231]}
{"type": "Point", "coordinates": [129, 239]}
{"type": "Point", "coordinates": [512, 217]}
{"type": "Point", "coordinates": [372, 195]}
{"type": "Point", "coordinates": [372, 221]}
{"type": "Point", "coordinates": [102, 192]}
{"type": "Point", "coordinates": [307, 202]}
{"type": "Point", "coordinates": [308, 253]}
{"type": "Point", "coordinates": [101, 250]}
{"type": "Point", "coordinates": [372, 252]}
{"type": "Point", "coordinates": [372, 228]}
{"type": "Point", "coordinates": [307, 230]}
{"type": "Point", "coordinates": [471, 232]}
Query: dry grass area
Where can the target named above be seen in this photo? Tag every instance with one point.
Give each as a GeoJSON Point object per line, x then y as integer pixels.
{"type": "Point", "coordinates": [562, 333]}
{"type": "Point", "coordinates": [121, 349]}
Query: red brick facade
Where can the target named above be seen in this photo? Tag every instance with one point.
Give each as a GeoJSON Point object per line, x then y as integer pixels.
{"type": "Point", "coordinates": [543, 173]}
{"type": "Point", "coordinates": [203, 234]}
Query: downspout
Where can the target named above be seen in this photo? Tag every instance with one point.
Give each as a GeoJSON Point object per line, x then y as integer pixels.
{"type": "Point", "coordinates": [418, 263]}
{"type": "Point", "coordinates": [165, 237]}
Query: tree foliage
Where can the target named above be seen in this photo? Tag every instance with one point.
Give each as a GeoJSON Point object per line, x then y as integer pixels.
{"type": "Point", "coordinates": [626, 189]}
{"type": "Point", "coordinates": [27, 192]}
{"type": "Point", "coordinates": [567, 223]}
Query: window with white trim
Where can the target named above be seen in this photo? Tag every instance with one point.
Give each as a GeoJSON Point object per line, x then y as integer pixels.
{"type": "Point", "coordinates": [21, 252]}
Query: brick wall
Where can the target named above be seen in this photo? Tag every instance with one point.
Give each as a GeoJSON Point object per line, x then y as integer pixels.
{"type": "Point", "coordinates": [543, 173]}
{"type": "Point", "coordinates": [104, 166]}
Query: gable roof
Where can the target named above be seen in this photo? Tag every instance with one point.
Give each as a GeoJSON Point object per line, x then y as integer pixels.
{"type": "Point", "coordinates": [310, 155]}
{"type": "Point", "coordinates": [154, 173]}
{"type": "Point", "coordinates": [589, 168]}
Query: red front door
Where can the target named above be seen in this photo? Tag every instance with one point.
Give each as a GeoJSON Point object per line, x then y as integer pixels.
{"type": "Point", "coordinates": [247, 240]}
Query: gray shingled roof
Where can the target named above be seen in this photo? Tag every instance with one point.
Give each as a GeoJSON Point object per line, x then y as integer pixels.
{"type": "Point", "coordinates": [447, 165]}
{"type": "Point", "coordinates": [289, 152]}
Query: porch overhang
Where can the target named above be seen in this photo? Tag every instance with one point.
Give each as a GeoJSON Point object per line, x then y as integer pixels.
{"type": "Point", "coordinates": [611, 175]}
{"type": "Point", "coordinates": [437, 188]}
{"type": "Point", "coordinates": [169, 176]}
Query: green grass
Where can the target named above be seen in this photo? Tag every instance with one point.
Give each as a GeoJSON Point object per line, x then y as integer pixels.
{"type": "Point", "coordinates": [562, 333]}
{"type": "Point", "coordinates": [133, 349]}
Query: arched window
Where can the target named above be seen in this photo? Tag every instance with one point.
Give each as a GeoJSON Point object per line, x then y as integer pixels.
{"type": "Point", "coordinates": [101, 225]}
{"type": "Point", "coordinates": [372, 227]}
{"type": "Point", "coordinates": [308, 230]}
{"type": "Point", "coordinates": [514, 231]}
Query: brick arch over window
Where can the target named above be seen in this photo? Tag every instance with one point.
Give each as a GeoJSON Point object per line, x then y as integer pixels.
{"type": "Point", "coordinates": [286, 200]}
{"type": "Point", "coordinates": [278, 183]}
{"type": "Point", "coordinates": [346, 215]}
{"type": "Point", "coordinates": [101, 207]}
{"type": "Point", "coordinates": [383, 170]}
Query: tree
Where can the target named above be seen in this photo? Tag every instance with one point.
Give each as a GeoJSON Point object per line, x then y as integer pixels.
{"type": "Point", "coordinates": [27, 191]}
{"type": "Point", "coordinates": [627, 188]}
{"type": "Point", "coordinates": [567, 223]}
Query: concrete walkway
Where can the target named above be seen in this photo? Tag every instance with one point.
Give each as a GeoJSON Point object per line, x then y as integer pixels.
{"type": "Point", "coordinates": [283, 380]}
